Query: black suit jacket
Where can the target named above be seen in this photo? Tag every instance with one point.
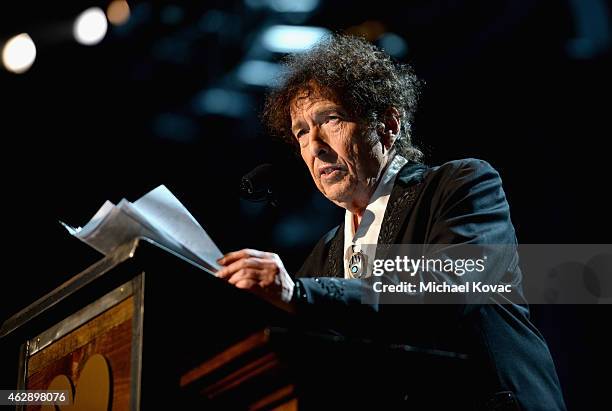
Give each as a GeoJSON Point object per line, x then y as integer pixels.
{"type": "Point", "coordinates": [459, 202]}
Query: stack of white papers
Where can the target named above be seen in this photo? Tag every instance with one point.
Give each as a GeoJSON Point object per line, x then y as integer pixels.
{"type": "Point", "coordinates": [158, 216]}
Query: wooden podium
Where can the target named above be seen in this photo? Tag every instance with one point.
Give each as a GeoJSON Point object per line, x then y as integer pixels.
{"type": "Point", "coordinates": [144, 328]}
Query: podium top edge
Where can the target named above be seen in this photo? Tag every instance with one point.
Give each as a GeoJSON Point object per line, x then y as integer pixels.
{"type": "Point", "coordinates": [99, 268]}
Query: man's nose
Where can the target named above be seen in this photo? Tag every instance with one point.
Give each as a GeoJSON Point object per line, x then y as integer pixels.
{"type": "Point", "coordinates": [317, 144]}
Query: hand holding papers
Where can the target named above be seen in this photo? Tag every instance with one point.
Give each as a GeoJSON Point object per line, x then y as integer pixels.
{"type": "Point", "coordinates": [158, 216]}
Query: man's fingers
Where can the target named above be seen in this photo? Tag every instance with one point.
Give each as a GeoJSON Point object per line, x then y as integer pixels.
{"type": "Point", "coordinates": [237, 255]}
{"type": "Point", "coordinates": [246, 284]}
{"type": "Point", "coordinates": [248, 262]}
{"type": "Point", "coordinates": [232, 256]}
{"type": "Point", "coordinates": [245, 274]}
{"type": "Point", "coordinates": [250, 269]}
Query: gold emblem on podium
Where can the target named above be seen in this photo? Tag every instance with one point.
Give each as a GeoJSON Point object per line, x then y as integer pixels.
{"type": "Point", "coordinates": [90, 393]}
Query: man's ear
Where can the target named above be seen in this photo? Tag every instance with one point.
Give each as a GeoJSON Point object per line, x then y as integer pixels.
{"type": "Point", "coordinates": [389, 128]}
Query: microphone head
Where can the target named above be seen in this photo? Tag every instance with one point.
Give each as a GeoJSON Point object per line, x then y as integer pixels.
{"type": "Point", "coordinates": [258, 184]}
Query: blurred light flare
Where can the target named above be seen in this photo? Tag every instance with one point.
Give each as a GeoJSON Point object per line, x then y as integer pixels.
{"type": "Point", "coordinates": [90, 26]}
{"type": "Point", "coordinates": [221, 101]}
{"type": "Point", "coordinates": [291, 39]}
{"type": "Point", "coordinates": [393, 44]}
{"type": "Point", "coordinates": [258, 72]}
{"type": "Point", "coordinates": [118, 12]}
{"type": "Point", "coordinates": [19, 53]}
{"type": "Point", "coordinates": [285, 6]}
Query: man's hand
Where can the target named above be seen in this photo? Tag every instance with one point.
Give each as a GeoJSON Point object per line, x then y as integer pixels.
{"type": "Point", "coordinates": [257, 271]}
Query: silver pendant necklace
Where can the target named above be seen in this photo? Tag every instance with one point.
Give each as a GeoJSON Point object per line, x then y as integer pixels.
{"type": "Point", "coordinates": [357, 263]}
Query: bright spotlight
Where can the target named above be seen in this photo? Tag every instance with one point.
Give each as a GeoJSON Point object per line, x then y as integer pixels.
{"type": "Point", "coordinates": [90, 27]}
{"type": "Point", "coordinates": [19, 53]}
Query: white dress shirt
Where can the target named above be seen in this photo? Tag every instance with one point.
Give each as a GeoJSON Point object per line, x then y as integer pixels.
{"type": "Point", "coordinates": [371, 221]}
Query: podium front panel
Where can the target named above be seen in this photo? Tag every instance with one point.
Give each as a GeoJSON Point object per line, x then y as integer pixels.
{"type": "Point", "coordinates": [94, 353]}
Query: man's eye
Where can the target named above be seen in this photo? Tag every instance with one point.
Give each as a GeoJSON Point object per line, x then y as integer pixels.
{"type": "Point", "coordinates": [300, 133]}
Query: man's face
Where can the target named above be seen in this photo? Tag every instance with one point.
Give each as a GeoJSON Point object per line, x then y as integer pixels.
{"type": "Point", "coordinates": [343, 157]}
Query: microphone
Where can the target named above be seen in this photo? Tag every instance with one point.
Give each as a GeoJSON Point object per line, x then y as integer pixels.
{"type": "Point", "coordinates": [258, 184]}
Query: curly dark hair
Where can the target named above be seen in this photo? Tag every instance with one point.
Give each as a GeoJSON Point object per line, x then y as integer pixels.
{"type": "Point", "coordinates": [353, 73]}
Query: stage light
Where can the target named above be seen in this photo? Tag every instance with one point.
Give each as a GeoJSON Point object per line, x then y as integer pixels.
{"type": "Point", "coordinates": [90, 27]}
{"type": "Point", "coordinates": [393, 44]}
{"type": "Point", "coordinates": [118, 12]}
{"type": "Point", "coordinates": [258, 72]}
{"type": "Point", "coordinates": [19, 53]}
{"type": "Point", "coordinates": [293, 6]}
{"type": "Point", "coordinates": [285, 6]}
{"type": "Point", "coordinates": [291, 39]}
{"type": "Point", "coordinates": [222, 102]}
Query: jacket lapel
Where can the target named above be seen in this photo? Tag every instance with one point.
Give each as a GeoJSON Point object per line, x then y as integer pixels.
{"type": "Point", "coordinates": [405, 191]}
{"type": "Point", "coordinates": [334, 265]}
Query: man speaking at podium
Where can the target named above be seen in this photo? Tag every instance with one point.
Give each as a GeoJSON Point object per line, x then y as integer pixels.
{"type": "Point", "coordinates": [347, 107]}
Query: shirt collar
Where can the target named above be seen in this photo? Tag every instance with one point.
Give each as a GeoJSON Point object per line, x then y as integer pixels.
{"type": "Point", "coordinates": [369, 227]}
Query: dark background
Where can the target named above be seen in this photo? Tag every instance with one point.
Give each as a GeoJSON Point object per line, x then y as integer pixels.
{"type": "Point", "coordinates": [522, 84]}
